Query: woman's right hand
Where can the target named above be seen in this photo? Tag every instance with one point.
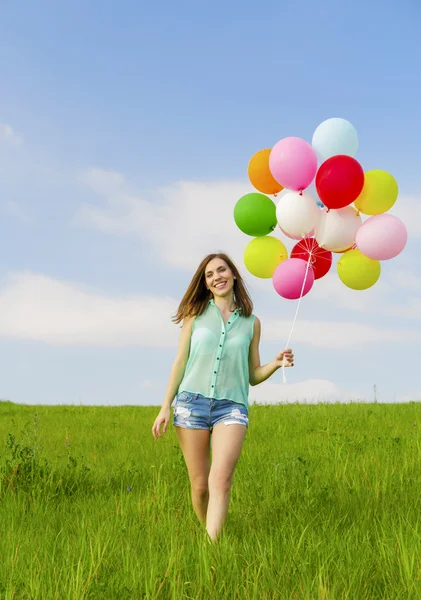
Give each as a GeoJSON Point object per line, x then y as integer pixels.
{"type": "Point", "coordinates": [162, 419]}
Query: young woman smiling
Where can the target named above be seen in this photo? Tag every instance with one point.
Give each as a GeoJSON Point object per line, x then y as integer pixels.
{"type": "Point", "coordinates": [217, 359]}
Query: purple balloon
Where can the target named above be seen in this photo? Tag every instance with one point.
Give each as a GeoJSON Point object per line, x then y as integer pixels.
{"type": "Point", "coordinates": [381, 237]}
{"type": "Point", "coordinates": [289, 277]}
{"type": "Point", "coordinates": [293, 163]}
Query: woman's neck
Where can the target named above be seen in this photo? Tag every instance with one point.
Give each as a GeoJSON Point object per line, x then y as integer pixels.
{"type": "Point", "coordinates": [225, 304]}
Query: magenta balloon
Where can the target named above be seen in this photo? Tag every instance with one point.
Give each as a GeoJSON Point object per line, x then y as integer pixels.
{"type": "Point", "coordinates": [289, 276]}
{"type": "Point", "coordinates": [293, 163]}
{"type": "Point", "coordinates": [382, 237]}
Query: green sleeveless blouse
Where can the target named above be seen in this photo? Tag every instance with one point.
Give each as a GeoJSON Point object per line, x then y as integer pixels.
{"type": "Point", "coordinates": [218, 366]}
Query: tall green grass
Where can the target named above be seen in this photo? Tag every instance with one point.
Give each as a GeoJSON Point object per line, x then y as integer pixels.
{"type": "Point", "coordinates": [325, 505]}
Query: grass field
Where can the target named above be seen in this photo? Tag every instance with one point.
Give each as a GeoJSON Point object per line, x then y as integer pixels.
{"type": "Point", "coordinates": [326, 504]}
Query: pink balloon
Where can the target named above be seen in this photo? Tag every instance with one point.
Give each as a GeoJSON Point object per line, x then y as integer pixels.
{"type": "Point", "coordinates": [293, 163]}
{"type": "Point", "coordinates": [382, 237]}
{"type": "Point", "coordinates": [294, 237]}
{"type": "Point", "coordinates": [289, 276]}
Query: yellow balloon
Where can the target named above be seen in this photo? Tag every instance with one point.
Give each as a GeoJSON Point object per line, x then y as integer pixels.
{"type": "Point", "coordinates": [263, 254]}
{"type": "Point", "coordinates": [357, 271]}
{"type": "Point", "coordinates": [379, 193]}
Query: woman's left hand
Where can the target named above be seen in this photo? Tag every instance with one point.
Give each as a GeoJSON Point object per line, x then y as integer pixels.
{"type": "Point", "coordinates": [285, 358]}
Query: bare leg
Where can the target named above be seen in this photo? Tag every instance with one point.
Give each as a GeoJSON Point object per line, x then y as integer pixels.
{"type": "Point", "coordinates": [226, 449]}
{"type": "Point", "coordinates": [195, 447]}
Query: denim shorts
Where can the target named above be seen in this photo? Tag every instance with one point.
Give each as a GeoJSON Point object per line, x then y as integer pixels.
{"type": "Point", "coordinates": [194, 411]}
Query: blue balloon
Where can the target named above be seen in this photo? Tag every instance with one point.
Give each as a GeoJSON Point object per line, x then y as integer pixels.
{"type": "Point", "coordinates": [311, 190]}
{"type": "Point", "coordinates": [335, 136]}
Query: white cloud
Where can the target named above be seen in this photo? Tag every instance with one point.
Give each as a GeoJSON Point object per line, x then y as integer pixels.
{"type": "Point", "coordinates": [311, 391]}
{"type": "Point", "coordinates": [396, 294]}
{"type": "Point", "coordinates": [148, 384]}
{"type": "Point", "coordinates": [331, 289]}
{"type": "Point", "coordinates": [107, 183]}
{"type": "Point", "coordinates": [413, 396]}
{"type": "Point", "coordinates": [12, 209]}
{"type": "Point", "coordinates": [36, 307]}
{"type": "Point", "coordinates": [405, 280]}
{"type": "Point", "coordinates": [184, 221]}
{"type": "Point", "coordinates": [408, 209]}
{"type": "Point", "coordinates": [9, 136]}
{"type": "Point", "coordinates": [338, 334]}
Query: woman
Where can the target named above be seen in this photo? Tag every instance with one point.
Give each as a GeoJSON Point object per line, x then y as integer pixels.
{"type": "Point", "coordinates": [217, 359]}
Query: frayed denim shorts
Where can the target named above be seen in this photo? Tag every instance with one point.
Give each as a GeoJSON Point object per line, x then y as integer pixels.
{"type": "Point", "coordinates": [194, 411]}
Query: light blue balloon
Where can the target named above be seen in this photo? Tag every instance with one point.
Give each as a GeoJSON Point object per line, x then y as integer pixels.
{"type": "Point", "coordinates": [312, 191]}
{"type": "Point", "coordinates": [335, 136]}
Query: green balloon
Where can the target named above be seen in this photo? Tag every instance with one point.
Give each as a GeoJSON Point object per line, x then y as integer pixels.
{"type": "Point", "coordinates": [255, 214]}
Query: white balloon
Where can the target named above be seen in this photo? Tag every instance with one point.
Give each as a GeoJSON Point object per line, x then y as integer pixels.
{"type": "Point", "coordinates": [297, 213]}
{"type": "Point", "coordinates": [337, 228]}
{"type": "Point", "coordinates": [335, 136]}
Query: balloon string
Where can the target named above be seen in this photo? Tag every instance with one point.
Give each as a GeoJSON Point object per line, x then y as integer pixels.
{"type": "Point", "coordinates": [323, 258]}
{"type": "Point", "coordinates": [319, 257]}
{"type": "Point", "coordinates": [317, 253]}
{"type": "Point", "coordinates": [295, 316]}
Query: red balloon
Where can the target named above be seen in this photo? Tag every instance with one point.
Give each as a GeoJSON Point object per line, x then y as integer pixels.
{"type": "Point", "coordinates": [321, 259]}
{"type": "Point", "coordinates": [339, 181]}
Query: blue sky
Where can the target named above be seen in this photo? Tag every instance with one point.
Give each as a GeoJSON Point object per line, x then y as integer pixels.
{"type": "Point", "coordinates": [126, 133]}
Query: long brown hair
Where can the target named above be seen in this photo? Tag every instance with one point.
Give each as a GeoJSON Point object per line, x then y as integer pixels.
{"type": "Point", "coordinates": [197, 296]}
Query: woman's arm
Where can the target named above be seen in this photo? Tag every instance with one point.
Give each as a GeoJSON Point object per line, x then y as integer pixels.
{"type": "Point", "coordinates": [257, 372]}
{"type": "Point", "coordinates": [180, 362]}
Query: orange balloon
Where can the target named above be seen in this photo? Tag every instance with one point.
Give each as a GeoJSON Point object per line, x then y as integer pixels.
{"type": "Point", "coordinates": [259, 173]}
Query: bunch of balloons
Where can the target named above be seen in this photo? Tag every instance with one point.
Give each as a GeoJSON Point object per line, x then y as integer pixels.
{"type": "Point", "coordinates": [328, 223]}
